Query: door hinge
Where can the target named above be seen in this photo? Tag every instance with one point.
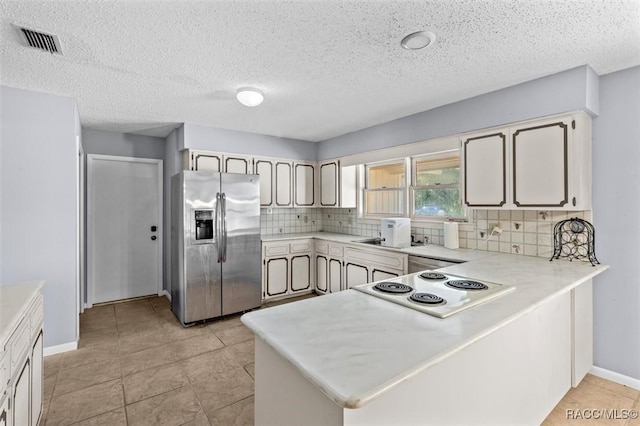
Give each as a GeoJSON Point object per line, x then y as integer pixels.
{"type": "Point", "coordinates": [573, 124]}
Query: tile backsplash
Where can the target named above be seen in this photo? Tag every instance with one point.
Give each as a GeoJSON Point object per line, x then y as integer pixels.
{"type": "Point", "coordinates": [289, 221]}
{"type": "Point", "coordinates": [527, 232]}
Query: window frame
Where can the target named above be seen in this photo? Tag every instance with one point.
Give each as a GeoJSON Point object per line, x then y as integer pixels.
{"type": "Point", "coordinates": [413, 187]}
{"type": "Point", "coordinates": [404, 189]}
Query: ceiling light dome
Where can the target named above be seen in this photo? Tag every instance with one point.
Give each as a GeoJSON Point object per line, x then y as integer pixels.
{"type": "Point", "coordinates": [249, 96]}
{"type": "Point", "coordinates": [418, 40]}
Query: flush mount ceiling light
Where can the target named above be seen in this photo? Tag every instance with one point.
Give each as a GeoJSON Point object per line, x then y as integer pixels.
{"type": "Point", "coordinates": [249, 96]}
{"type": "Point", "coordinates": [418, 40]}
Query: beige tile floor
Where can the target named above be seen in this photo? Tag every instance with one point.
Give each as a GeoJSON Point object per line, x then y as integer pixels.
{"type": "Point", "coordinates": [136, 365]}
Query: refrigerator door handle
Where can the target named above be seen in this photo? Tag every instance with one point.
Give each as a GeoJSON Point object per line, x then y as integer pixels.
{"type": "Point", "coordinates": [224, 226]}
{"type": "Point", "coordinates": [216, 226]}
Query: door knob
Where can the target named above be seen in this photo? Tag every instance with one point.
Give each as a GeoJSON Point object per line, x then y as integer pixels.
{"type": "Point", "coordinates": [153, 238]}
{"type": "Point", "coordinates": [154, 228]}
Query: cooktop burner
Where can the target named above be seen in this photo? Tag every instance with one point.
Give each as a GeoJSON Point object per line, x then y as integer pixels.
{"type": "Point", "coordinates": [441, 296]}
{"type": "Point", "coordinates": [466, 285]}
{"type": "Point", "coordinates": [432, 276]}
{"type": "Point", "coordinates": [391, 287]}
{"type": "Point", "coordinates": [427, 299]}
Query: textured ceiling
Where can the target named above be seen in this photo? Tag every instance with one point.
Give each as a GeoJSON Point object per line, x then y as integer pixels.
{"type": "Point", "coordinates": [326, 67]}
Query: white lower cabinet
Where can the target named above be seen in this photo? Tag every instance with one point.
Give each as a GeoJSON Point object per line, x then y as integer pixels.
{"type": "Point", "coordinates": [37, 382]}
{"type": "Point", "coordinates": [4, 409]}
{"type": "Point", "coordinates": [288, 268]}
{"type": "Point", "coordinates": [322, 273]}
{"type": "Point", "coordinates": [297, 266]}
{"type": "Point", "coordinates": [364, 266]}
{"type": "Point", "coordinates": [336, 274]}
{"type": "Point", "coordinates": [21, 370]}
{"type": "Point", "coordinates": [21, 391]}
{"type": "Point", "coordinates": [301, 272]}
{"type": "Point", "coordinates": [355, 274]}
{"type": "Point", "coordinates": [277, 277]}
{"type": "Point", "coordinates": [329, 267]}
{"type": "Point", "coordinates": [378, 275]}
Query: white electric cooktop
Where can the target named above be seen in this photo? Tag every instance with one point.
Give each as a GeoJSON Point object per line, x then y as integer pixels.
{"type": "Point", "coordinates": [435, 293]}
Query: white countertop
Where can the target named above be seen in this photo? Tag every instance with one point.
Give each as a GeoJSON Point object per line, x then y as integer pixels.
{"type": "Point", "coordinates": [430, 250]}
{"type": "Point", "coordinates": [14, 300]}
{"type": "Point", "coordinates": [354, 346]}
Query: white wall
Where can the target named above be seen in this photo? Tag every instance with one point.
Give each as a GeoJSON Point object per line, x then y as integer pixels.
{"type": "Point", "coordinates": [221, 140]}
{"type": "Point", "coordinates": [571, 90]}
{"type": "Point", "coordinates": [122, 144]}
{"type": "Point", "coordinates": [39, 197]}
{"type": "Point", "coordinates": [616, 205]}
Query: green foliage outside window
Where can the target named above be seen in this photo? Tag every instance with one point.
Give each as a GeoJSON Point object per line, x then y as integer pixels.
{"type": "Point", "coordinates": [437, 191]}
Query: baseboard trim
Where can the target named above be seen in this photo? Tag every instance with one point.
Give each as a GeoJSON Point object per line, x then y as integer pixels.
{"type": "Point", "coordinates": [166, 294]}
{"type": "Point", "coordinates": [58, 349]}
{"type": "Point", "coordinates": [615, 377]}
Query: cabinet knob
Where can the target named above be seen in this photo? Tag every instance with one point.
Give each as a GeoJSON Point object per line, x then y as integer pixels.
{"type": "Point", "coordinates": [153, 238]}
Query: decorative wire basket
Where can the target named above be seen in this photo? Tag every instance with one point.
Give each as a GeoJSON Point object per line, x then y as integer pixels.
{"type": "Point", "coordinates": [574, 239]}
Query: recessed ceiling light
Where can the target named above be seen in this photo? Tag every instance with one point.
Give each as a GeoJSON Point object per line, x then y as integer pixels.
{"type": "Point", "coordinates": [249, 96]}
{"type": "Point", "coordinates": [418, 40]}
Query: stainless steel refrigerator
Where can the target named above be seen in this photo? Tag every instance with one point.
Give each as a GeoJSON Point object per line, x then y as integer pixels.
{"type": "Point", "coordinates": [215, 244]}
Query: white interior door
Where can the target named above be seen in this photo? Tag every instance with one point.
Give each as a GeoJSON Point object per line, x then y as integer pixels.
{"type": "Point", "coordinates": [124, 252]}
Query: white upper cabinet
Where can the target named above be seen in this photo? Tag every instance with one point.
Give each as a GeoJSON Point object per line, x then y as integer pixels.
{"type": "Point", "coordinates": [283, 180]}
{"type": "Point", "coordinates": [238, 164]}
{"type": "Point", "coordinates": [204, 161]}
{"type": "Point", "coordinates": [484, 157]}
{"type": "Point", "coordinates": [264, 168]}
{"type": "Point", "coordinates": [276, 179]}
{"type": "Point", "coordinates": [329, 184]}
{"type": "Point", "coordinates": [305, 184]}
{"type": "Point", "coordinates": [337, 185]}
{"type": "Point", "coordinates": [543, 164]}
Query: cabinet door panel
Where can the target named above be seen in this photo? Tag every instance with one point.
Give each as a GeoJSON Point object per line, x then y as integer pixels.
{"type": "Point", "coordinates": [237, 165]}
{"type": "Point", "coordinates": [4, 411]}
{"type": "Point", "coordinates": [276, 249]}
{"type": "Point", "coordinates": [300, 272]}
{"type": "Point", "coordinates": [277, 276]}
{"type": "Point", "coordinates": [377, 275]}
{"type": "Point", "coordinates": [206, 162]}
{"type": "Point", "coordinates": [348, 186]}
{"type": "Point", "coordinates": [303, 246]}
{"type": "Point", "coordinates": [335, 275]}
{"type": "Point", "coordinates": [329, 184]}
{"type": "Point", "coordinates": [36, 380]}
{"type": "Point", "coordinates": [355, 275]}
{"type": "Point", "coordinates": [380, 258]}
{"type": "Point", "coordinates": [321, 274]}
{"type": "Point", "coordinates": [485, 170]}
{"type": "Point", "coordinates": [21, 390]}
{"type": "Point", "coordinates": [305, 184]}
{"type": "Point", "coordinates": [283, 184]}
{"type": "Point", "coordinates": [540, 165]}
{"type": "Point", "coordinates": [265, 170]}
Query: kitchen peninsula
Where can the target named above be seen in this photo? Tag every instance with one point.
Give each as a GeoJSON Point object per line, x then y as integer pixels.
{"type": "Point", "coordinates": [352, 359]}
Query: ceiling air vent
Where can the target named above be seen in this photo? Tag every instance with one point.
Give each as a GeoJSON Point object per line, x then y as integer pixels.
{"type": "Point", "coordinates": [40, 40]}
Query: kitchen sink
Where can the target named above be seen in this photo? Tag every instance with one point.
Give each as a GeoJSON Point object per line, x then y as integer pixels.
{"type": "Point", "coordinates": [372, 241]}
{"type": "Point", "coordinates": [378, 241]}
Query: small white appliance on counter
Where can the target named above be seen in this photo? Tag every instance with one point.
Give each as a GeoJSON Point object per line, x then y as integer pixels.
{"type": "Point", "coordinates": [395, 232]}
